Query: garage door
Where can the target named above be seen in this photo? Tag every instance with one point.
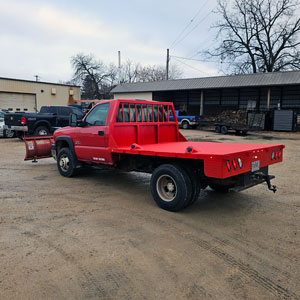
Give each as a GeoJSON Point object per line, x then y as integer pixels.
{"type": "Point", "coordinates": [17, 102]}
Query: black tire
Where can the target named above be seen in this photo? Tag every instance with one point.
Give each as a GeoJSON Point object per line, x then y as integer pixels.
{"type": "Point", "coordinates": [220, 188]}
{"type": "Point", "coordinates": [66, 163]}
{"type": "Point", "coordinates": [196, 185]}
{"type": "Point", "coordinates": [244, 132]}
{"type": "Point", "coordinates": [9, 133]}
{"type": "Point", "coordinates": [185, 125]}
{"type": "Point", "coordinates": [41, 130]}
{"type": "Point", "coordinates": [224, 129]}
{"type": "Point", "coordinates": [176, 196]}
{"type": "Point", "coordinates": [218, 129]}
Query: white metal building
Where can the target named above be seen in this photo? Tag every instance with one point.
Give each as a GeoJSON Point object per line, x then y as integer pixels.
{"type": "Point", "coordinates": [26, 95]}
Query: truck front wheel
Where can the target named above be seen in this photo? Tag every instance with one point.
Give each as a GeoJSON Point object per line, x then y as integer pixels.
{"type": "Point", "coordinates": [66, 163]}
{"type": "Point", "coordinates": [171, 187]}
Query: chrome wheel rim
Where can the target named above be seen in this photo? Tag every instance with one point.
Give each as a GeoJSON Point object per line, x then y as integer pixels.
{"type": "Point", "coordinates": [64, 162]}
{"type": "Point", "coordinates": [42, 132]}
{"type": "Point", "coordinates": [166, 188]}
{"type": "Point", "coordinates": [9, 133]}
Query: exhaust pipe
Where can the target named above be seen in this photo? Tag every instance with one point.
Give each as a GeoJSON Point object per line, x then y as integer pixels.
{"type": "Point", "coordinates": [38, 147]}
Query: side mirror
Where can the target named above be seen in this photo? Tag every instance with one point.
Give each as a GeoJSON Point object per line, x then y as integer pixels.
{"type": "Point", "coordinates": [73, 120]}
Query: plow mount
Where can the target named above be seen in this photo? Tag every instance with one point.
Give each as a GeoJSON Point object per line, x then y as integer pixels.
{"type": "Point", "coordinates": [38, 147]}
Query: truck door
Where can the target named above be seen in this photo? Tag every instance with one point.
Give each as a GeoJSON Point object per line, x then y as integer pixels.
{"type": "Point", "coordinates": [91, 140]}
{"type": "Point", "coordinates": [62, 118]}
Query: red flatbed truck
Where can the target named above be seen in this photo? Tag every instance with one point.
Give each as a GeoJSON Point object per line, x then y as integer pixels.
{"type": "Point", "coordinates": [137, 135]}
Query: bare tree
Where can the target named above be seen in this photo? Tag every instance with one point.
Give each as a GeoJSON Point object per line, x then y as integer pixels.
{"type": "Point", "coordinates": [157, 73]}
{"type": "Point", "coordinates": [135, 72]}
{"type": "Point", "coordinates": [97, 79]}
{"type": "Point", "coordinates": [92, 74]}
{"type": "Point", "coordinates": [259, 35]}
{"type": "Point", "coordinates": [129, 72]}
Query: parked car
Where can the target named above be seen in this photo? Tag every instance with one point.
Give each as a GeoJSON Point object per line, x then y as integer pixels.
{"type": "Point", "coordinates": [5, 132]}
{"type": "Point", "coordinates": [186, 121]}
{"type": "Point", "coordinates": [45, 122]}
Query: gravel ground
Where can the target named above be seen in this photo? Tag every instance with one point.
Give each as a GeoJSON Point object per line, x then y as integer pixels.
{"type": "Point", "coordinates": [101, 236]}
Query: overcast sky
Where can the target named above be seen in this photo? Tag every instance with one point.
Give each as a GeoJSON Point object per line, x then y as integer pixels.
{"type": "Point", "coordinates": [40, 37]}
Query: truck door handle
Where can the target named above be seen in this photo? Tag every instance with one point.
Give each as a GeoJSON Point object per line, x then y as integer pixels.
{"type": "Point", "coordinates": [101, 133]}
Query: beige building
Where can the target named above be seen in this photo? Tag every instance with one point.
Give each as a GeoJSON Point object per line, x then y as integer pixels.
{"type": "Point", "coordinates": [25, 95]}
{"type": "Point", "coordinates": [142, 96]}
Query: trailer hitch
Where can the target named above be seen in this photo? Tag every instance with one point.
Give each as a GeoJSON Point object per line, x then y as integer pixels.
{"type": "Point", "coordinates": [267, 179]}
{"type": "Point", "coordinates": [272, 188]}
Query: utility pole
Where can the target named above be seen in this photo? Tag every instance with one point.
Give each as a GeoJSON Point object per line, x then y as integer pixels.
{"type": "Point", "coordinates": [119, 66]}
{"type": "Point", "coordinates": [167, 66]}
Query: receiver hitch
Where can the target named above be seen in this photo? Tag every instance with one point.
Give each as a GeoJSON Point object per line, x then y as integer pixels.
{"type": "Point", "coordinates": [267, 179]}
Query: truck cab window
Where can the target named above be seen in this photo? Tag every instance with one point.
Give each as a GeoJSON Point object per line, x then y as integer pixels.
{"type": "Point", "coordinates": [64, 111]}
{"type": "Point", "coordinates": [48, 110]}
{"type": "Point", "coordinates": [77, 112]}
{"type": "Point", "coordinates": [97, 117]}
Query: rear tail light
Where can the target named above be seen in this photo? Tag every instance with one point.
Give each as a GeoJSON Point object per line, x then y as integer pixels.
{"type": "Point", "coordinates": [23, 121]}
{"type": "Point", "coordinates": [280, 154]}
{"type": "Point", "coordinates": [276, 155]}
{"type": "Point", "coordinates": [234, 164]}
{"type": "Point", "coordinates": [194, 120]}
{"type": "Point", "coordinates": [228, 165]}
{"type": "Point", "coordinates": [240, 162]}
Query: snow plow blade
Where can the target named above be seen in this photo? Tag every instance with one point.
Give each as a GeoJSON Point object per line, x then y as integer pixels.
{"type": "Point", "coordinates": [38, 147]}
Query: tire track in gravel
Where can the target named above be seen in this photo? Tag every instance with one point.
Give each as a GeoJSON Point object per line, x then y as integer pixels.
{"type": "Point", "coordinates": [245, 269]}
{"type": "Point", "coordinates": [111, 277]}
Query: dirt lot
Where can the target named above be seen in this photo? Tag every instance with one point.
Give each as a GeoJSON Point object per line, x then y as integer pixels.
{"type": "Point", "coordinates": [101, 236]}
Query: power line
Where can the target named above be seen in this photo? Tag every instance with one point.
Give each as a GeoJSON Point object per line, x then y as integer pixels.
{"type": "Point", "coordinates": [189, 23]}
{"type": "Point", "coordinates": [196, 51]}
{"type": "Point", "coordinates": [201, 60]}
{"type": "Point", "coordinates": [191, 66]}
{"type": "Point", "coordinates": [189, 32]}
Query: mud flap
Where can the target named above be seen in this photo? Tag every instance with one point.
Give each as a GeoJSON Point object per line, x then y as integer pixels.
{"type": "Point", "coordinates": [38, 147]}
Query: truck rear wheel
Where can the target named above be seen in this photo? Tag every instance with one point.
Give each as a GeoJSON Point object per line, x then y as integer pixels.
{"type": "Point", "coordinates": [185, 125]}
{"type": "Point", "coordinates": [171, 187]}
{"type": "Point", "coordinates": [66, 163]}
{"type": "Point", "coordinates": [41, 130]}
{"type": "Point", "coordinates": [196, 185]}
{"type": "Point", "coordinates": [218, 129]}
{"type": "Point", "coordinates": [224, 129]}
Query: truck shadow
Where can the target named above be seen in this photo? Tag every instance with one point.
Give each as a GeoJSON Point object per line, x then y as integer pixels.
{"type": "Point", "coordinates": [138, 185]}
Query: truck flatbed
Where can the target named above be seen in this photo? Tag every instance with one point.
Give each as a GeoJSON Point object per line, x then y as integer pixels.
{"type": "Point", "coordinates": [209, 152]}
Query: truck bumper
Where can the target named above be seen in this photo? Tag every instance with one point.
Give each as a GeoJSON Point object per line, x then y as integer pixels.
{"type": "Point", "coordinates": [16, 128]}
{"type": "Point", "coordinates": [255, 181]}
{"type": "Point", "coordinates": [251, 179]}
{"type": "Point", "coordinates": [194, 123]}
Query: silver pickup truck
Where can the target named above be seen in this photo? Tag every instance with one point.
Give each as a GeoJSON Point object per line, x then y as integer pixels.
{"type": "Point", "coordinates": [5, 132]}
